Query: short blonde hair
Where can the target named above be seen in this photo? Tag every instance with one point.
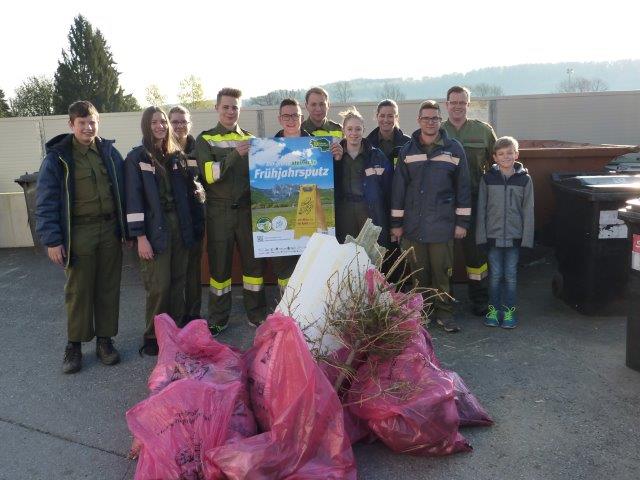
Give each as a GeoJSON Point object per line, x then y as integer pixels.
{"type": "Point", "coordinates": [350, 113]}
{"type": "Point", "coordinates": [506, 142]}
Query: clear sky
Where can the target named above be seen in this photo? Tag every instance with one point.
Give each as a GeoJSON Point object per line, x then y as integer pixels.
{"type": "Point", "coordinates": [260, 46]}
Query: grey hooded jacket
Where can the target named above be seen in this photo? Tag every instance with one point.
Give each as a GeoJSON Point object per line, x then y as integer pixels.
{"type": "Point", "coordinates": [505, 208]}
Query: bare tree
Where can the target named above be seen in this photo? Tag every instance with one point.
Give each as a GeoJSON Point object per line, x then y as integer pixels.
{"type": "Point", "coordinates": [582, 84]}
{"type": "Point", "coordinates": [153, 96]}
{"type": "Point", "coordinates": [392, 91]}
{"type": "Point", "coordinates": [486, 90]}
{"type": "Point", "coordinates": [191, 93]}
{"type": "Point", "coordinates": [342, 91]}
{"type": "Point", "coordinates": [34, 97]}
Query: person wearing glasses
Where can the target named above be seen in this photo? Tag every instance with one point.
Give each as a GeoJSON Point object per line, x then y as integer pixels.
{"type": "Point", "coordinates": [430, 206]}
{"type": "Point", "coordinates": [180, 120]}
{"type": "Point", "coordinates": [362, 182]}
{"type": "Point", "coordinates": [478, 139]}
{"type": "Point", "coordinates": [290, 119]}
{"type": "Point", "coordinates": [160, 196]}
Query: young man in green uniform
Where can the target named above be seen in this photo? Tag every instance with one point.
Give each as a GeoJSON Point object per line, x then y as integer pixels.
{"type": "Point", "coordinates": [222, 155]}
{"type": "Point", "coordinates": [478, 139]}
{"type": "Point", "coordinates": [79, 216]}
{"type": "Point", "coordinates": [318, 125]}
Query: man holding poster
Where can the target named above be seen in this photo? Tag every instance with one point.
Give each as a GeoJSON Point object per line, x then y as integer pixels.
{"type": "Point", "coordinates": [291, 178]}
{"type": "Point", "coordinates": [222, 158]}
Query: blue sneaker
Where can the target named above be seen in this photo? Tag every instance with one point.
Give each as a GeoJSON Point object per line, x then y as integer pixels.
{"type": "Point", "coordinates": [492, 319]}
{"type": "Point", "coordinates": [509, 320]}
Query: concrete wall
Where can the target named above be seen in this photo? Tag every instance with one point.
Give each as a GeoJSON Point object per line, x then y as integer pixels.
{"type": "Point", "coordinates": [598, 118]}
{"type": "Point", "coordinates": [14, 226]}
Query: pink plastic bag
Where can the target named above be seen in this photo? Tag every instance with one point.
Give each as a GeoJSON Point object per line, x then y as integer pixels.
{"type": "Point", "coordinates": [191, 352]}
{"type": "Point", "coordinates": [178, 425]}
{"type": "Point", "coordinates": [471, 412]}
{"type": "Point", "coordinates": [304, 435]}
{"type": "Point", "coordinates": [409, 404]}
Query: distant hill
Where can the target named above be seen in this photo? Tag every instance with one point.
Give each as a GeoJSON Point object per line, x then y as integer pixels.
{"type": "Point", "coordinates": [514, 80]}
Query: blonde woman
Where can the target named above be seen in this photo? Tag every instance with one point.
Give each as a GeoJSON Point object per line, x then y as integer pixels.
{"type": "Point", "coordinates": [362, 182]}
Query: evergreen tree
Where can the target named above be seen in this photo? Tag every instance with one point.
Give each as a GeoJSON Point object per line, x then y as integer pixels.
{"type": "Point", "coordinates": [4, 106]}
{"type": "Point", "coordinates": [87, 71]}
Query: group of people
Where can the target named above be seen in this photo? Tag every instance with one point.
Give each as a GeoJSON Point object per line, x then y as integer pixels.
{"type": "Point", "coordinates": [424, 190]}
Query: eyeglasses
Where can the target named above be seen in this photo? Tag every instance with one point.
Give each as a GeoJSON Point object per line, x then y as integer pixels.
{"type": "Point", "coordinates": [287, 117]}
{"type": "Point", "coordinates": [179, 123]}
{"type": "Point", "coordinates": [430, 119]}
{"type": "Point", "coordinates": [457, 103]}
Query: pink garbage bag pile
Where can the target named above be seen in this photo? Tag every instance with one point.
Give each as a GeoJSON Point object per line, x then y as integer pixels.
{"type": "Point", "coordinates": [272, 412]}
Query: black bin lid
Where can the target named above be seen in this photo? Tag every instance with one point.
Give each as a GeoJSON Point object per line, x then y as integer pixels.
{"type": "Point", "coordinates": [604, 182]}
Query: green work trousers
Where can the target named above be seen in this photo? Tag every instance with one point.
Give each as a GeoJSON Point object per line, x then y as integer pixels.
{"type": "Point", "coordinates": [193, 289]}
{"type": "Point", "coordinates": [475, 260]}
{"type": "Point", "coordinates": [92, 291]}
{"type": "Point", "coordinates": [283, 267]}
{"type": "Point", "coordinates": [164, 278]}
{"type": "Point", "coordinates": [350, 218]}
{"type": "Point", "coordinates": [226, 227]}
{"type": "Point", "coordinates": [432, 264]}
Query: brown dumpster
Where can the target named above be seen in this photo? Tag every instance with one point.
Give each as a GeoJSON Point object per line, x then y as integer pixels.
{"type": "Point", "coordinates": [544, 157]}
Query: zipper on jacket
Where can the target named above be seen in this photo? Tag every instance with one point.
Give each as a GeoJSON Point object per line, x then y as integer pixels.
{"type": "Point", "coordinates": [66, 181]}
{"type": "Point", "coordinates": [504, 225]}
{"type": "Point", "coordinates": [123, 234]}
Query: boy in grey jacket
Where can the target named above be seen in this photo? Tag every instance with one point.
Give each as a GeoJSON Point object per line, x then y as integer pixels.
{"type": "Point", "coordinates": [504, 224]}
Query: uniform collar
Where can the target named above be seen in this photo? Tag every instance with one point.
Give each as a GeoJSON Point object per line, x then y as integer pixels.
{"type": "Point", "coordinates": [83, 149]}
{"type": "Point", "coordinates": [224, 129]}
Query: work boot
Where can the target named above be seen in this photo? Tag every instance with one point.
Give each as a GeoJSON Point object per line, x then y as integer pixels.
{"type": "Point", "coordinates": [149, 347]}
{"type": "Point", "coordinates": [255, 322]}
{"type": "Point", "coordinates": [492, 319]}
{"type": "Point", "coordinates": [218, 327]}
{"type": "Point", "coordinates": [509, 320]}
{"type": "Point", "coordinates": [106, 352]}
{"type": "Point", "coordinates": [448, 325]}
{"type": "Point", "coordinates": [72, 361]}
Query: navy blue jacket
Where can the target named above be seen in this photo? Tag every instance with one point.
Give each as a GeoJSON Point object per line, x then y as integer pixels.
{"type": "Point", "coordinates": [376, 186]}
{"type": "Point", "coordinates": [399, 140]}
{"type": "Point", "coordinates": [145, 215]}
{"type": "Point", "coordinates": [431, 192]}
{"type": "Point", "coordinates": [56, 190]}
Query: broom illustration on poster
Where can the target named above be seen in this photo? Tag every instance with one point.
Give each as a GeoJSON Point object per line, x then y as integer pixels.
{"type": "Point", "coordinates": [309, 214]}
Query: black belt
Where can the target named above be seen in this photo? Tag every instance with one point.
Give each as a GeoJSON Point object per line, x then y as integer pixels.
{"type": "Point", "coordinates": [93, 219]}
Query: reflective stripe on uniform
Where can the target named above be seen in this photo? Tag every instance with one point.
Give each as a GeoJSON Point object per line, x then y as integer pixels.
{"type": "Point", "coordinates": [147, 167]}
{"type": "Point", "coordinates": [397, 213]}
{"type": "Point", "coordinates": [192, 163]}
{"type": "Point", "coordinates": [463, 211]}
{"type": "Point", "coordinates": [219, 288]}
{"type": "Point", "coordinates": [135, 217]}
{"type": "Point", "coordinates": [283, 282]}
{"type": "Point", "coordinates": [421, 157]}
{"type": "Point", "coordinates": [446, 158]}
{"type": "Point", "coordinates": [373, 171]}
{"type": "Point", "coordinates": [254, 284]}
{"type": "Point", "coordinates": [477, 273]}
{"type": "Point", "coordinates": [225, 140]}
{"type": "Point", "coordinates": [327, 133]}
{"type": "Point", "coordinates": [211, 171]}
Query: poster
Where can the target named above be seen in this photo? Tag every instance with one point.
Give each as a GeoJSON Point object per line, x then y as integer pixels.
{"type": "Point", "coordinates": [291, 182]}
